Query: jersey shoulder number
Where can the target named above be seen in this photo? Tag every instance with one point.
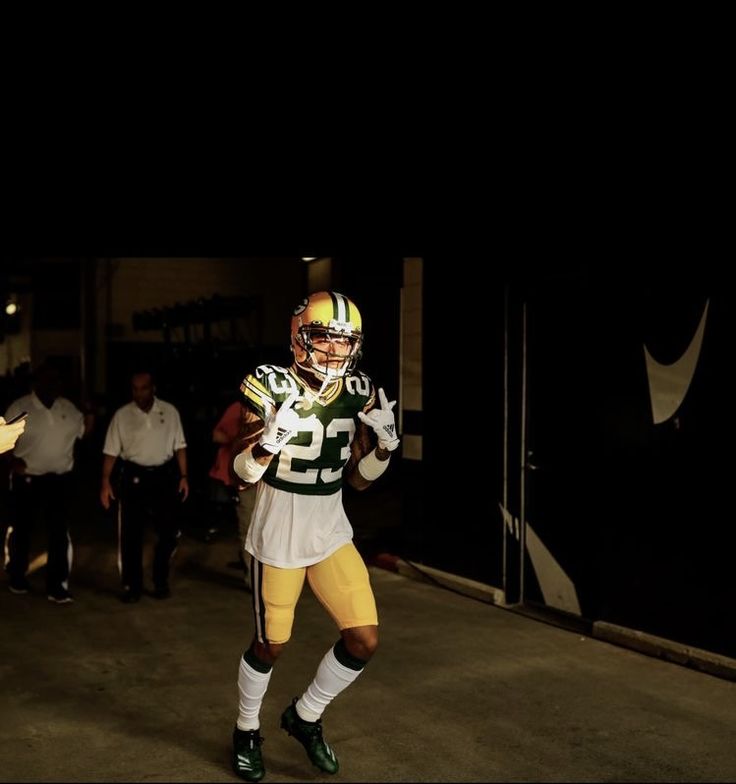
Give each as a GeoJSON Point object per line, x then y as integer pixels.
{"type": "Point", "coordinates": [266, 386]}
{"type": "Point", "coordinates": [361, 386]}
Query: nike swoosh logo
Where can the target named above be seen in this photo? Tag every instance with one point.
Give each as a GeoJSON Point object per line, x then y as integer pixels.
{"type": "Point", "coordinates": [668, 384]}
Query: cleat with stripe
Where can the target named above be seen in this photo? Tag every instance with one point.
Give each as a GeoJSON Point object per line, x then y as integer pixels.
{"type": "Point", "coordinates": [247, 758]}
{"type": "Point", "coordinates": [309, 734]}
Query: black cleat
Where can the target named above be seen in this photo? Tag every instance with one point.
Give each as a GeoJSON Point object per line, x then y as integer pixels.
{"type": "Point", "coordinates": [19, 585]}
{"type": "Point", "coordinates": [247, 758]}
{"type": "Point", "coordinates": [60, 596]}
{"type": "Point", "coordinates": [128, 596]}
{"type": "Point", "coordinates": [309, 734]}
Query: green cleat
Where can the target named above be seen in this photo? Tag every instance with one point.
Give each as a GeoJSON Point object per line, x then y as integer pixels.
{"type": "Point", "coordinates": [247, 759]}
{"type": "Point", "coordinates": [309, 734]}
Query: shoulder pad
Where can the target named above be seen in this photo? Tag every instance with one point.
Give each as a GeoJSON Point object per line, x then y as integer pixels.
{"type": "Point", "coordinates": [269, 384]}
{"type": "Point", "coordinates": [358, 383]}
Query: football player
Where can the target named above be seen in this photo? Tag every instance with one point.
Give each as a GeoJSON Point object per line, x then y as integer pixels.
{"type": "Point", "coordinates": [304, 430]}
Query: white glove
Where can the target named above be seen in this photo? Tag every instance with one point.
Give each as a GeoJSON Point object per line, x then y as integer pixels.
{"type": "Point", "coordinates": [280, 426]}
{"type": "Point", "coordinates": [382, 421]}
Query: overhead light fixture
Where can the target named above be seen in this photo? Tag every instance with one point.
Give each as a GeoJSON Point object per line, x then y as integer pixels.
{"type": "Point", "coordinates": [310, 258]}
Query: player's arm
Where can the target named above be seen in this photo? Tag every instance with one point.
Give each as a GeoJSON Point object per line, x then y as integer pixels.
{"type": "Point", "coordinates": [251, 427]}
{"type": "Point", "coordinates": [259, 440]}
{"type": "Point", "coordinates": [363, 445]}
{"type": "Point", "coordinates": [366, 463]}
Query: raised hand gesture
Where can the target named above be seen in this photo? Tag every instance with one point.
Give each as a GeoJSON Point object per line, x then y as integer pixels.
{"type": "Point", "coordinates": [280, 426]}
{"type": "Point", "coordinates": [383, 422]}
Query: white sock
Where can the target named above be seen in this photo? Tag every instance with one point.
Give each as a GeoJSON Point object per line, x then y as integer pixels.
{"type": "Point", "coordinates": [252, 686]}
{"type": "Point", "coordinates": [331, 678]}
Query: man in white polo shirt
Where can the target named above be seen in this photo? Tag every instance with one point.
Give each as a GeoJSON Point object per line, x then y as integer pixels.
{"type": "Point", "coordinates": [41, 481]}
{"type": "Point", "coordinates": [146, 434]}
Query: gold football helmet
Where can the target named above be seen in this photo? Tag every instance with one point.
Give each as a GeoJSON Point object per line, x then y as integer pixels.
{"type": "Point", "coordinates": [326, 335]}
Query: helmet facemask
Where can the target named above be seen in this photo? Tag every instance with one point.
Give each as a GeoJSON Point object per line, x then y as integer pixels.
{"type": "Point", "coordinates": [326, 338]}
{"type": "Point", "coordinates": [337, 354]}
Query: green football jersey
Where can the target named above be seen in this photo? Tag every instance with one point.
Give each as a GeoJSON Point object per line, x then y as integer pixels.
{"type": "Point", "coordinates": [311, 463]}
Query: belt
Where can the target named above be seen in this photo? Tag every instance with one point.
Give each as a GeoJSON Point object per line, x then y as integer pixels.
{"type": "Point", "coordinates": [149, 469]}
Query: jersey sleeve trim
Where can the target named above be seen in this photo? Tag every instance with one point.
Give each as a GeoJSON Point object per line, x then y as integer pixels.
{"type": "Point", "coordinates": [257, 395]}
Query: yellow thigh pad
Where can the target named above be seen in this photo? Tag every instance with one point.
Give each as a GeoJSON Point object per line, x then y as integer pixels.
{"type": "Point", "coordinates": [340, 583]}
{"type": "Point", "coordinates": [275, 594]}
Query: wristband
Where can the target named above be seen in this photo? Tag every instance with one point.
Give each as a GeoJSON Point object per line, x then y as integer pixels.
{"type": "Point", "coordinates": [248, 468]}
{"type": "Point", "coordinates": [370, 467]}
{"type": "Point", "coordinates": [389, 445]}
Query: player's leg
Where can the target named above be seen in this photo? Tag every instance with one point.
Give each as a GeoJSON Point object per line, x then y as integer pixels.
{"type": "Point", "coordinates": [275, 594]}
{"type": "Point", "coordinates": [342, 585]}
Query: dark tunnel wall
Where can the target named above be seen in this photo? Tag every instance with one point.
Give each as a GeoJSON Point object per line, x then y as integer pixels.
{"type": "Point", "coordinates": [635, 515]}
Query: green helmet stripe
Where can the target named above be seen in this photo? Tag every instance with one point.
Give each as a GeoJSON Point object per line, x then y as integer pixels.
{"type": "Point", "coordinates": [333, 296]}
{"type": "Point", "coordinates": [343, 307]}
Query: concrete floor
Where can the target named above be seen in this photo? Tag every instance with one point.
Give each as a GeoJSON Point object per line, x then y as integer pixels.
{"type": "Point", "coordinates": [460, 690]}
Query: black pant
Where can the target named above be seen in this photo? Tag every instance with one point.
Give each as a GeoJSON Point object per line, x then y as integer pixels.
{"type": "Point", "coordinates": [46, 497]}
{"type": "Point", "coordinates": [223, 500]}
{"type": "Point", "coordinates": [147, 494]}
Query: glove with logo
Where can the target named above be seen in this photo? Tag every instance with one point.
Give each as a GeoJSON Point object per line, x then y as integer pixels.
{"type": "Point", "coordinates": [382, 421]}
{"type": "Point", "coordinates": [280, 426]}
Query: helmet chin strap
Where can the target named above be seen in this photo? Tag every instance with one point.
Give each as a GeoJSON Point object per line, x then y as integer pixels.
{"type": "Point", "coordinates": [315, 397]}
{"type": "Point", "coordinates": [327, 380]}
